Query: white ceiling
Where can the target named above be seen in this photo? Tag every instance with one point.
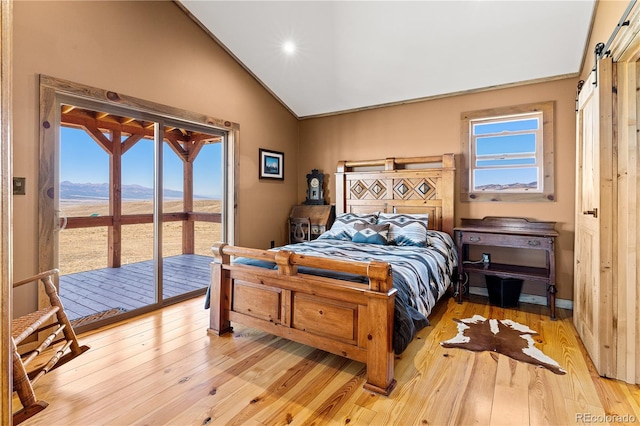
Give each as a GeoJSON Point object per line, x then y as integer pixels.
{"type": "Point", "coordinates": [358, 54]}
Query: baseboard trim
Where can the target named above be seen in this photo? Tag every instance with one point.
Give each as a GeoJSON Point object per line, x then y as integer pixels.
{"type": "Point", "coordinates": [527, 298]}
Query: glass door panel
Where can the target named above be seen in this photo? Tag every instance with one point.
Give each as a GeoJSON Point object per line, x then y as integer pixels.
{"type": "Point", "coordinates": [192, 188]}
{"type": "Point", "coordinates": [105, 241]}
{"type": "Point", "coordinates": [137, 232]}
{"type": "Point", "coordinates": [208, 172]}
{"type": "Point", "coordinates": [137, 191]}
{"type": "Point", "coordinates": [172, 208]}
{"type": "Point", "coordinates": [83, 193]}
{"type": "Point", "coordinates": [138, 211]}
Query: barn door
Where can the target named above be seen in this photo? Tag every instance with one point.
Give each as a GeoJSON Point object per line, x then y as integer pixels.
{"type": "Point", "coordinates": [593, 310]}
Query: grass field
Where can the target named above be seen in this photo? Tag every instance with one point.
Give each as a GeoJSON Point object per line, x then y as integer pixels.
{"type": "Point", "coordinates": [85, 249]}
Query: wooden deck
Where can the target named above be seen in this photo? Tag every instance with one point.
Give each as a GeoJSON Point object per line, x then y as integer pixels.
{"type": "Point", "coordinates": [131, 286]}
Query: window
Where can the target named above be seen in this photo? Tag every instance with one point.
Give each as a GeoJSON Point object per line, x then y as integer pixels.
{"type": "Point", "coordinates": [508, 154]}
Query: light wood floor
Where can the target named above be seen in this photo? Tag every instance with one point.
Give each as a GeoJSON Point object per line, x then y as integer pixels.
{"type": "Point", "coordinates": [163, 368]}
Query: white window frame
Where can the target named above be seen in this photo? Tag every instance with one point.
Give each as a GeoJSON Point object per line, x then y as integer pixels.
{"type": "Point", "coordinates": [543, 153]}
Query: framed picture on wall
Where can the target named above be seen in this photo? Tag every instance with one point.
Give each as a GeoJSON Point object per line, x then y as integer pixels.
{"type": "Point", "coordinates": [271, 164]}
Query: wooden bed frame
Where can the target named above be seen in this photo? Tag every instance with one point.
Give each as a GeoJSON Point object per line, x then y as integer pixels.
{"type": "Point", "coordinates": [345, 318]}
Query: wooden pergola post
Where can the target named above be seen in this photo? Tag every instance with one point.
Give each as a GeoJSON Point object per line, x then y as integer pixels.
{"type": "Point", "coordinates": [192, 148]}
{"type": "Point", "coordinates": [188, 225]}
{"type": "Point", "coordinates": [115, 200]}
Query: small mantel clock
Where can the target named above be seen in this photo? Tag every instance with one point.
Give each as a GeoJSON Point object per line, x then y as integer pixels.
{"type": "Point", "coordinates": [315, 188]}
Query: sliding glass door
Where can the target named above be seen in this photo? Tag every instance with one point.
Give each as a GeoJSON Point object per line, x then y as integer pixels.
{"type": "Point", "coordinates": [140, 200]}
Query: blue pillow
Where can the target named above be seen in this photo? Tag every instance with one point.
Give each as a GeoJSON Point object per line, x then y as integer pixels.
{"type": "Point", "coordinates": [370, 234]}
{"type": "Point", "coordinates": [342, 228]}
{"type": "Point", "coordinates": [406, 229]}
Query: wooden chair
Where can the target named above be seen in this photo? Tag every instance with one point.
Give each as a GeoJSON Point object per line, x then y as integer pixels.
{"type": "Point", "coordinates": [50, 327]}
{"type": "Point", "coordinates": [299, 229]}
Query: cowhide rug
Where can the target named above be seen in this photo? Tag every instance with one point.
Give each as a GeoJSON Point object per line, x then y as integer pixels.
{"type": "Point", "coordinates": [503, 336]}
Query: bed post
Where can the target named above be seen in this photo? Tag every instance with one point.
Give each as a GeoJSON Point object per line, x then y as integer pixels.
{"type": "Point", "coordinates": [380, 309]}
{"type": "Point", "coordinates": [219, 293]}
{"type": "Point", "coordinates": [448, 192]}
{"type": "Point", "coordinates": [341, 200]}
{"type": "Point", "coordinates": [380, 357]}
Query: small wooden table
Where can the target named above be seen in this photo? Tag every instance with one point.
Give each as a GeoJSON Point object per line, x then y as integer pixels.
{"type": "Point", "coordinates": [519, 233]}
{"type": "Point", "coordinates": [320, 218]}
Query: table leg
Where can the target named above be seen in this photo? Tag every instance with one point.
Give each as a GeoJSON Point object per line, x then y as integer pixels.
{"type": "Point", "coordinates": [463, 252]}
{"type": "Point", "coordinates": [552, 300]}
{"type": "Point", "coordinates": [460, 287]}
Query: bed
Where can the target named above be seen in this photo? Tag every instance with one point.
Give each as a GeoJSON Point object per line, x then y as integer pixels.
{"type": "Point", "coordinates": [350, 292]}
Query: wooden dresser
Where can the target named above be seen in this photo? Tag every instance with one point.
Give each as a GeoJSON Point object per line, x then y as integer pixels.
{"type": "Point", "coordinates": [514, 233]}
{"type": "Point", "coordinates": [320, 217]}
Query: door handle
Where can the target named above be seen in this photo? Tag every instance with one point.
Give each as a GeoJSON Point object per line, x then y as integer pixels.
{"type": "Point", "coordinates": [593, 212]}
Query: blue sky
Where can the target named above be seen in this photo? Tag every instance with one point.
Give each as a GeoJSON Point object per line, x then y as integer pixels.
{"type": "Point", "coordinates": [82, 160]}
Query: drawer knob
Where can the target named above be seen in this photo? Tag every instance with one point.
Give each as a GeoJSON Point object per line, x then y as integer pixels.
{"type": "Point", "coordinates": [534, 243]}
{"type": "Point", "coordinates": [474, 239]}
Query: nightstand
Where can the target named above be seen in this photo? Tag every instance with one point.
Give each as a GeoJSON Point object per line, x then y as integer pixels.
{"type": "Point", "coordinates": [320, 217]}
{"type": "Point", "coordinates": [516, 233]}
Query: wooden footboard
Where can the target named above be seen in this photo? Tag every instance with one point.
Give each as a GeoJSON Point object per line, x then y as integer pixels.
{"type": "Point", "coordinates": [345, 318]}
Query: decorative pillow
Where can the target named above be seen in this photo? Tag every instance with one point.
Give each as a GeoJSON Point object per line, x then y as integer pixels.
{"type": "Point", "coordinates": [342, 228]}
{"type": "Point", "coordinates": [406, 229]}
{"type": "Point", "coordinates": [371, 234]}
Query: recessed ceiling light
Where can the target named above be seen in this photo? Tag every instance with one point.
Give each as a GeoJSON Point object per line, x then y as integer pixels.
{"type": "Point", "coordinates": [289, 47]}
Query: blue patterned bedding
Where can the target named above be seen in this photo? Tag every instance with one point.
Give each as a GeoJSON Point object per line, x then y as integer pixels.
{"type": "Point", "coordinates": [420, 274]}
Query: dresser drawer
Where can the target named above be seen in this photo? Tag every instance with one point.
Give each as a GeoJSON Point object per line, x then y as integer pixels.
{"type": "Point", "coordinates": [519, 241]}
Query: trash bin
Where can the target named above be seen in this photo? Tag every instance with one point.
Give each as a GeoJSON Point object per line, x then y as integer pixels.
{"type": "Point", "coordinates": [503, 292]}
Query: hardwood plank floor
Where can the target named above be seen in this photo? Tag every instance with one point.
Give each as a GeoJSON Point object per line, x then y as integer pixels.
{"type": "Point", "coordinates": [163, 368]}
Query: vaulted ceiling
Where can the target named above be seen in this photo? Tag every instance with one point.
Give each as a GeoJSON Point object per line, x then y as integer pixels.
{"type": "Point", "coordinates": [324, 57]}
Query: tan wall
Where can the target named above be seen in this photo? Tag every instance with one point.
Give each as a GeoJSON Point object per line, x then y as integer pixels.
{"type": "Point", "coordinates": [433, 127]}
{"type": "Point", "coordinates": [152, 51]}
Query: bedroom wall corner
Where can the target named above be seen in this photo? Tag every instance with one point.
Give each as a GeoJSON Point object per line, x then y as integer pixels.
{"type": "Point", "coordinates": [432, 127]}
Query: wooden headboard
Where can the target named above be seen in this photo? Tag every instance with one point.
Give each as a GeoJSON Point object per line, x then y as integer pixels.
{"type": "Point", "coordinates": [399, 185]}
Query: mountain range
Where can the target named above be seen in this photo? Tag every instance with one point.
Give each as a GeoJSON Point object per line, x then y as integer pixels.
{"type": "Point", "coordinates": [496, 187]}
{"type": "Point", "coordinates": [100, 191]}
